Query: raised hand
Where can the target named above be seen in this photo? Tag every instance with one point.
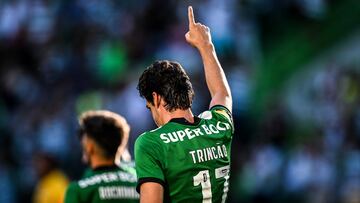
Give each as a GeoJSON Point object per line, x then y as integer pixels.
{"type": "Point", "coordinates": [198, 34]}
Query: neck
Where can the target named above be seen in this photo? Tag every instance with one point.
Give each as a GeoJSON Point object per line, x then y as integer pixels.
{"type": "Point", "coordinates": [99, 161]}
{"type": "Point", "coordinates": [187, 114]}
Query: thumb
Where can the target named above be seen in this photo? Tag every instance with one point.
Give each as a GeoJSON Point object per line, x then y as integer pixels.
{"type": "Point", "coordinates": [188, 37]}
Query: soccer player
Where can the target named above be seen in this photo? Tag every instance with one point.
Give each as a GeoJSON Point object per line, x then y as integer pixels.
{"type": "Point", "coordinates": [186, 159]}
{"type": "Point", "coordinates": [104, 135]}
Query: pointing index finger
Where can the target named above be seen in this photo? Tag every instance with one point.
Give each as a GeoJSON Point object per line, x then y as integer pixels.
{"type": "Point", "coordinates": [191, 16]}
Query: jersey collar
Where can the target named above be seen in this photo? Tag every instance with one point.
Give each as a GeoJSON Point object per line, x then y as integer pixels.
{"type": "Point", "coordinates": [183, 121]}
{"type": "Point", "coordinates": [105, 168]}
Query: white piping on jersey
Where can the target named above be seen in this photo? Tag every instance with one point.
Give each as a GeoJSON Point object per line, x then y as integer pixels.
{"type": "Point", "coordinates": [156, 129]}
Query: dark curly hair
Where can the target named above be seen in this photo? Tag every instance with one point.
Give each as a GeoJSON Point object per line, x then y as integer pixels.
{"type": "Point", "coordinates": [169, 80]}
{"type": "Point", "coordinates": [106, 128]}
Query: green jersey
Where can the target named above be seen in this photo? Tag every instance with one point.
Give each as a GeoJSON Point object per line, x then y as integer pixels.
{"type": "Point", "coordinates": [191, 161]}
{"type": "Point", "coordinates": [104, 184]}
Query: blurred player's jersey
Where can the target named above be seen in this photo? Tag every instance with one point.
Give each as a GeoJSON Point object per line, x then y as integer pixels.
{"type": "Point", "coordinates": [51, 188]}
{"type": "Point", "coordinates": [191, 161]}
{"type": "Point", "coordinates": [104, 184]}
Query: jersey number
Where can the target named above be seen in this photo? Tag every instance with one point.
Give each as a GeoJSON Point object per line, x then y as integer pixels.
{"type": "Point", "coordinates": [203, 179]}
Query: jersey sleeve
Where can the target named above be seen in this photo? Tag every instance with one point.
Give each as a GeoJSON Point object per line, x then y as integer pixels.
{"type": "Point", "coordinates": [71, 195]}
{"type": "Point", "coordinates": [147, 162]}
{"type": "Point", "coordinates": [222, 113]}
{"type": "Point", "coordinates": [222, 110]}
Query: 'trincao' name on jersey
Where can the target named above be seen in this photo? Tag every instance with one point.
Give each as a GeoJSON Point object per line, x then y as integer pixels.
{"type": "Point", "coordinates": [192, 133]}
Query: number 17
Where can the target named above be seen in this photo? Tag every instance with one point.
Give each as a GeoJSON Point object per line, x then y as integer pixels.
{"type": "Point", "coordinates": [203, 179]}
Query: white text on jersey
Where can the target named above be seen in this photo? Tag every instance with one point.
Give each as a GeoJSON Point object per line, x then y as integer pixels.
{"type": "Point", "coordinates": [208, 153]}
{"type": "Point", "coordinates": [180, 135]}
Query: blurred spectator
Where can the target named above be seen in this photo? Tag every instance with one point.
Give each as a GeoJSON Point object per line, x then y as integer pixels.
{"type": "Point", "coordinates": [52, 182]}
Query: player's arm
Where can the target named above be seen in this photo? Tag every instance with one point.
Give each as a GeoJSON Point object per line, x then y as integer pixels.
{"type": "Point", "coordinates": [150, 184]}
{"type": "Point", "coordinates": [151, 192]}
{"type": "Point", "coordinates": [199, 36]}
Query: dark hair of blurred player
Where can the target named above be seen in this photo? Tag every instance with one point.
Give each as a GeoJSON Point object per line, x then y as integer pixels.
{"type": "Point", "coordinates": [103, 134]}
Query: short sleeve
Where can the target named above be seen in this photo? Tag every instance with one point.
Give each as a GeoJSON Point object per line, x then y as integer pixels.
{"type": "Point", "coordinates": [71, 195]}
{"type": "Point", "coordinates": [223, 113]}
{"type": "Point", "coordinates": [147, 162]}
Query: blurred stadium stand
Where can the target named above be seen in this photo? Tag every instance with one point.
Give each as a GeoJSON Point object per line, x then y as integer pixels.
{"type": "Point", "coordinates": [293, 66]}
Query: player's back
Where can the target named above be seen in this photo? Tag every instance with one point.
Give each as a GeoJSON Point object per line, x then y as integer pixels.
{"type": "Point", "coordinates": [105, 184]}
{"type": "Point", "coordinates": [193, 159]}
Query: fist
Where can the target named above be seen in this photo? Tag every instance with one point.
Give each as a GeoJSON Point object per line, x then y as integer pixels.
{"type": "Point", "coordinates": [198, 34]}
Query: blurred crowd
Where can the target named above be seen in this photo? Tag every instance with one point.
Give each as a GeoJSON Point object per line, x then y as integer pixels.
{"type": "Point", "coordinates": [59, 58]}
{"type": "Point", "coordinates": [307, 146]}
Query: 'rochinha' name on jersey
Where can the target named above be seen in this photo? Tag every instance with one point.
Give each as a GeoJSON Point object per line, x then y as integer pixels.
{"type": "Point", "coordinates": [117, 192]}
{"type": "Point", "coordinates": [180, 135]}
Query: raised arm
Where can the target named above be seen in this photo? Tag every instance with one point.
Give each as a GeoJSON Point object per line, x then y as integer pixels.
{"type": "Point", "coordinates": [199, 36]}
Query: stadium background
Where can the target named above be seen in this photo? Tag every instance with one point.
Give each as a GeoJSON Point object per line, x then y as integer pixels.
{"type": "Point", "coordinates": [293, 67]}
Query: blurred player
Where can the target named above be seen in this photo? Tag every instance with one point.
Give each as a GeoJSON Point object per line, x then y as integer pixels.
{"type": "Point", "coordinates": [104, 136]}
{"type": "Point", "coordinates": [186, 159]}
{"type": "Point", "coordinates": [52, 183]}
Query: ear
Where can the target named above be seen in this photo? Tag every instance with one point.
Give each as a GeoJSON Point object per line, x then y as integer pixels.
{"type": "Point", "coordinates": [89, 146]}
{"type": "Point", "coordinates": [157, 99]}
{"type": "Point", "coordinates": [88, 149]}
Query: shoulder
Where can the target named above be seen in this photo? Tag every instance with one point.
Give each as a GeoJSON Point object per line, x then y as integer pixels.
{"type": "Point", "coordinates": [149, 138]}
{"type": "Point", "coordinates": [147, 145]}
{"type": "Point", "coordinates": [73, 187]}
{"type": "Point", "coordinates": [71, 194]}
{"type": "Point", "coordinates": [217, 111]}
{"type": "Point", "coordinates": [130, 172]}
